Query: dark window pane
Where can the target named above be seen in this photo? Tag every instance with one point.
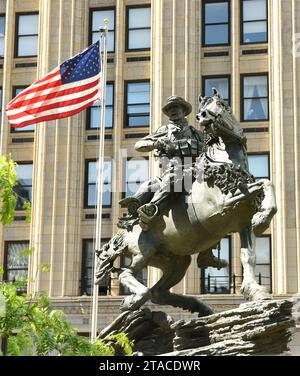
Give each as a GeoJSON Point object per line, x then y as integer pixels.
{"type": "Point", "coordinates": [216, 34]}
{"type": "Point", "coordinates": [216, 13]}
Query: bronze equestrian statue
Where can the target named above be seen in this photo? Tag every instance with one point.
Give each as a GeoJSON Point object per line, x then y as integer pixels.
{"type": "Point", "coordinates": [222, 198]}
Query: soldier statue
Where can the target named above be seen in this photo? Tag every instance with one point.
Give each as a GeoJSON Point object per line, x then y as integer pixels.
{"type": "Point", "coordinates": [177, 146]}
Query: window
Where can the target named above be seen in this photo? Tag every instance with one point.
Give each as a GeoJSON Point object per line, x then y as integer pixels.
{"type": "Point", "coordinates": [15, 263]}
{"type": "Point", "coordinates": [263, 269]}
{"type": "Point", "coordinates": [141, 276]}
{"type": "Point", "coordinates": [24, 187]}
{"type": "Point", "coordinates": [27, 29]}
{"type": "Point", "coordinates": [2, 35]}
{"type": "Point", "coordinates": [91, 182]}
{"type": "Point", "coordinates": [259, 165]}
{"type": "Point", "coordinates": [93, 119]}
{"type": "Point", "coordinates": [255, 103]}
{"type": "Point", "coordinates": [138, 104]}
{"type": "Point", "coordinates": [138, 28]}
{"type": "Point", "coordinates": [221, 83]}
{"type": "Point", "coordinates": [254, 16]}
{"type": "Point", "coordinates": [97, 20]}
{"type": "Point", "coordinates": [137, 172]}
{"type": "Point", "coordinates": [216, 23]}
{"type": "Point", "coordinates": [218, 281]}
{"type": "Point", "coordinates": [29, 128]}
{"type": "Point", "coordinates": [87, 275]}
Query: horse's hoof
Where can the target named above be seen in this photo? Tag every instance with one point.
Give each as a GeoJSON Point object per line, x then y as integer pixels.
{"type": "Point", "coordinates": [254, 292]}
{"type": "Point", "coordinates": [133, 302]}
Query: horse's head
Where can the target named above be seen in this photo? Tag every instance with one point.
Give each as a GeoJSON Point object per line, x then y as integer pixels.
{"type": "Point", "coordinates": [217, 118]}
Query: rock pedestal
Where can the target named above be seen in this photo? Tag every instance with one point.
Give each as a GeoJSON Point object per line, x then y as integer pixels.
{"type": "Point", "coordinates": [255, 328]}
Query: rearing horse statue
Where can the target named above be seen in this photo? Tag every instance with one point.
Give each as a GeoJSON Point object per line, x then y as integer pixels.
{"type": "Point", "coordinates": [224, 198]}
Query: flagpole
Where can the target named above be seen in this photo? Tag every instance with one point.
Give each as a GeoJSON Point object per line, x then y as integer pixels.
{"type": "Point", "coordinates": [103, 59]}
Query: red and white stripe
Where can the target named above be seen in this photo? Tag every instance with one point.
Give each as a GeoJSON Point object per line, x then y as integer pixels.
{"type": "Point", "coordinates": [49, 99]}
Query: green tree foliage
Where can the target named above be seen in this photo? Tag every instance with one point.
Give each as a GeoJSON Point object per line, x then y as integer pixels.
{"type": "Point", "coordinates": [8, 198]}
{"type": "Point", "coordinates": [32, 327]}
{"type": "Point", "coordinates": [28, 324]}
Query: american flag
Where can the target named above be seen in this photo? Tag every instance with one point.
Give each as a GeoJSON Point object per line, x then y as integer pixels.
{"type": "Point", "coordinates": [67, 90]}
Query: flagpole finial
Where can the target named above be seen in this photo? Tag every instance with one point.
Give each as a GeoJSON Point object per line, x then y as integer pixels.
{"type": "Point", "coordinates": [104, 28]}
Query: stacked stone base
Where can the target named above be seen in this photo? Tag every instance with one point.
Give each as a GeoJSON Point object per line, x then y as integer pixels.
{"type": "Point", "coordinates": [255, 328]}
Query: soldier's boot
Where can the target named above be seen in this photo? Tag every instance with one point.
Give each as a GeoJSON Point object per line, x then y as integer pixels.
{"type": "Point", "coordinates": [147, 214]}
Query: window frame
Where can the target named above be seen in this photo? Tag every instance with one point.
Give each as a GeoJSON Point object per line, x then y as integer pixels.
{"type": "Point", "coordinates": [271, 259]}
{"type": "Point", "coordinates": [86, 184]}
{"type": "Point", "coordinates": [14, 93]}
{"type": "Point", "coordinates": [228, 76]}
{"type": "Point", "coordinates": [242, 116]}
{"type": "Point", "coordinates": [242, 43]}
{"type": "Point", "coordinates": [269, 166]}
{"type": "Point", "coordinates": [16, 38]}
{"type": "Point", "coordinates": [230, 244]}
{"type": "Point", "coordinates": [125, 121]}
{"type": "Point", "coordinates": [88, 111]}
{"type": "Point", "coordinates": [83, 283]}
{"type": "Point", "coordinates": [5, 271]}
{"type": "Point", "coordinates": [204, 2]}
{"type": "Point", "coordinates": [99, 9]}
{"type": "Point", "coordinates": [25, 163]}
{"type": "Point", "coordinates": [127, 49]}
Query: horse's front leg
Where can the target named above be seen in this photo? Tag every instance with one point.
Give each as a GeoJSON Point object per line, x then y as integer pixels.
{"type": "Point", "coordinates": [250, 288]}
{"type": "Point", "coordinates": [262, 219]}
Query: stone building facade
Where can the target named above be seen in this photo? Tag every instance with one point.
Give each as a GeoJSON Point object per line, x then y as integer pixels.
{"type": "Point", "coordinates": [245, 48]}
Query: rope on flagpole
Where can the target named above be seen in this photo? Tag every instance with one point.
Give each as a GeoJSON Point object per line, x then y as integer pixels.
{"type": "Point", "coordinates": [103, 57]}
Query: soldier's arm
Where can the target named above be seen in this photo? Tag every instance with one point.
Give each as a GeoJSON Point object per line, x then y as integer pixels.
{"type": "Point", "coordinates": [150, 142]}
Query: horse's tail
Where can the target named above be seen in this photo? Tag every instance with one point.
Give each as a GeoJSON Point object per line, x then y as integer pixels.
{"type": "Point", "coordinates": [107, 255]}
